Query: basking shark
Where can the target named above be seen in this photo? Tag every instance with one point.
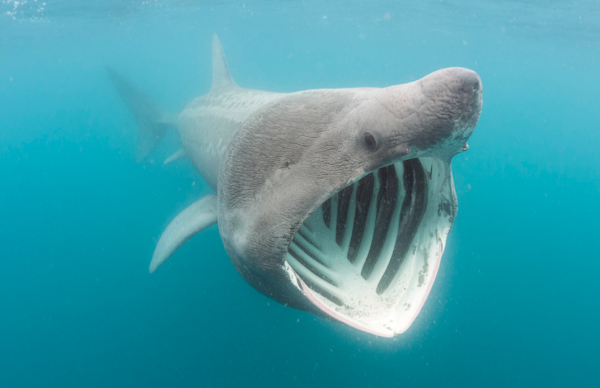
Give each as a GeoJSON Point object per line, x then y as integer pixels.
{"type": "Point", "coordinates": [337, 202]}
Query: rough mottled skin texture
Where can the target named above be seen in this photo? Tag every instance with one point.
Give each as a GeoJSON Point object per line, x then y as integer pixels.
{"type": "Point", "coordinates": [207, 125]}
{"type": "Point", "coordinates": [278, 158]}
{"type": "Point", "coordinates": [292, 154]}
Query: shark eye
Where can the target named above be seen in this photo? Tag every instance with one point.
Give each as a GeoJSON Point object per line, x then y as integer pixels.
{"type": "Point", "coordinates": [369, 141]}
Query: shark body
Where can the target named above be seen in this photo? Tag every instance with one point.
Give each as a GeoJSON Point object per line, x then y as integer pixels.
{"type": "Point", "coordinates": [333, 201]}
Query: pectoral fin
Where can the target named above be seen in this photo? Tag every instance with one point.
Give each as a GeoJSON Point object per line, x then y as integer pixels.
{"type": "Point", "coordinates": [180, 154]}
{"type": "Point", "coordinates": [195, 218]}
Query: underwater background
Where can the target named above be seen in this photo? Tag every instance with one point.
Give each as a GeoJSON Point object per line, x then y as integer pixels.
{"type": "Point", "coordinates": [516, 300]}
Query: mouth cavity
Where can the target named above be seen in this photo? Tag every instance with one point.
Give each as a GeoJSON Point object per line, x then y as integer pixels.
{"type": "Point", "coordinates": [369, 254]}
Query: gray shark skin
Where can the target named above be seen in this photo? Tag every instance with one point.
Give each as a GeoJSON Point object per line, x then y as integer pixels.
{"type": "Point", "coordinates": [337, 202]}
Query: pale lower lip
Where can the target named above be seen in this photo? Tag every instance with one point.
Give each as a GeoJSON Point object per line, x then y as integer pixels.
{"type": "Point", "coordinates": [373, 242]}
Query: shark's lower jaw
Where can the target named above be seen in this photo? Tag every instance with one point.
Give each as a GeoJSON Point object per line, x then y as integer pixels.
{"type": "Point", "coordinates": [369, 255]}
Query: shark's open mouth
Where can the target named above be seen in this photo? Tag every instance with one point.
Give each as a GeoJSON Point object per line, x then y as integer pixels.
{"type": "Point", "coordinates": [369, 254]}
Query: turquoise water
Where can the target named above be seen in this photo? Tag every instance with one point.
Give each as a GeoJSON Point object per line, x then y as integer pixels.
{"type": "Point", "coordinates": [515, 302]}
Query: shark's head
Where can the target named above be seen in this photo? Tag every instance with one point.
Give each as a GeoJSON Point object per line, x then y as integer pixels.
{"type": "Point", "coordinates": [339, 202]}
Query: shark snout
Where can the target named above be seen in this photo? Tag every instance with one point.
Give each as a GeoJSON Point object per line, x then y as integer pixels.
{"type": "Point", "coordinates": [467, 91]}
{"type": "Point", "coordinates": [468, 108]}
{"type": "Point", "coordinates": [456, 91]}
{"type": "Point", "coordinates": [453, 99]}
{"type": "Point", "coordinates": [468, 80]}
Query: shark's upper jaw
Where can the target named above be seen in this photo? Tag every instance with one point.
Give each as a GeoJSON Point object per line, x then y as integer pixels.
{"type": "Point", "coordinates": [369, 255]}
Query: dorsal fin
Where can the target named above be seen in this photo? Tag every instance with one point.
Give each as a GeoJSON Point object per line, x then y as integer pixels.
{"type": "Point", "coordinates": [221, 76]}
